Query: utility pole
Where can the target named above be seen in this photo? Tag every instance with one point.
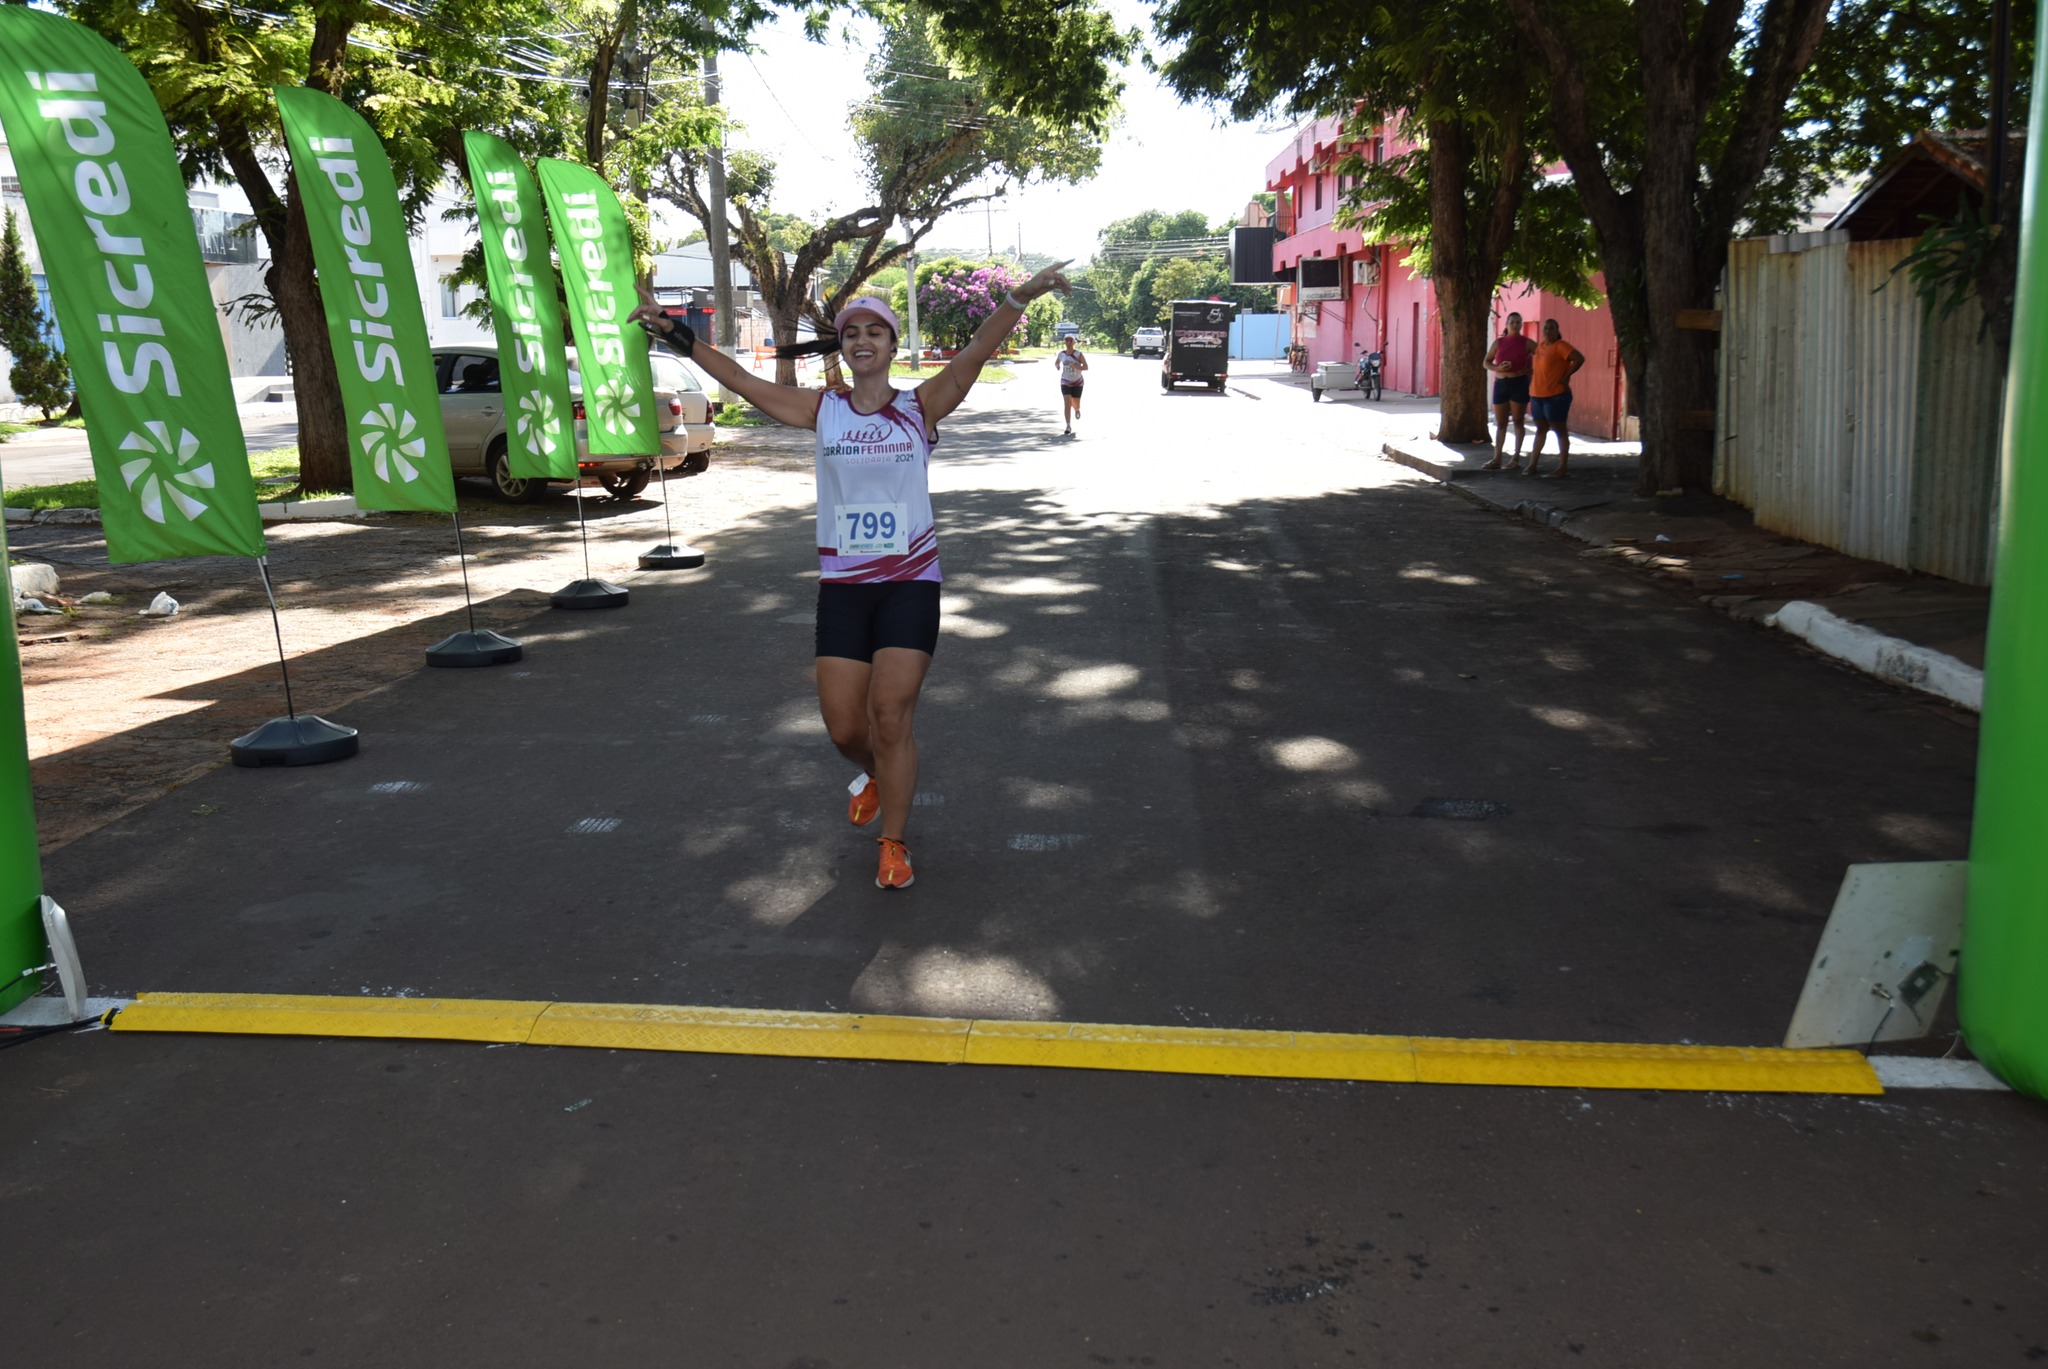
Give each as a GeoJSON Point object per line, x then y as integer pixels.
{"type": "Point", "coordinates": [724, 326]}
{"type": "Point", "coordinates": [916, 343]}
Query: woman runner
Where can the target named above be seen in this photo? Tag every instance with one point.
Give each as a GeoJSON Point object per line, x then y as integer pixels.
{"type": "Point", "coordinates": [878, 575]}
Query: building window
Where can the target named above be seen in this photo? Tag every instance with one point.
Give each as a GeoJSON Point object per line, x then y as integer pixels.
{"type": "Point", "coordinates": [1319, 192]}
{"type": "Point", "coordinates": [451, 299]}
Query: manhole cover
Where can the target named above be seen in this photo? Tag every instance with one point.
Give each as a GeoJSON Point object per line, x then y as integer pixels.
{"type": "Point", "coordinates": [1464, 810]}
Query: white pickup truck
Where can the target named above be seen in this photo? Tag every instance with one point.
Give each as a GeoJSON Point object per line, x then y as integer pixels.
{"type": "Point", "coordinates": [1148, 342]}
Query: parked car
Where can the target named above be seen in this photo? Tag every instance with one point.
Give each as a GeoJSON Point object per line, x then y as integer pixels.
{"type": "Point", "coordinates": [686, 378]}
{"type": "Point", "coordinates": [1148, 342]}
{"type": "Point", "coordinates": [473, 412]}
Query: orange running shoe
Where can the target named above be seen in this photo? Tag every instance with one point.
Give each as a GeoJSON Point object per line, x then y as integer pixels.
{"type": "Point", "coordinates": [895, 868]}
{"type": "Point", "coordinates": [866, 801]}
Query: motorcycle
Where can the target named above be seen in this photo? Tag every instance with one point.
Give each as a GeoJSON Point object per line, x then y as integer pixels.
{"type": "Point", "coordinates": [1369, 381]}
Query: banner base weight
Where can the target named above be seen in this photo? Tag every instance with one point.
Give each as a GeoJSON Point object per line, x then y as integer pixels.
{"type": "Point", "coordinates": [307, 740]}
{"type": "Point", "coordinates": [672, 556]}
{"type": "Point", "coordinates": [589, 594]}
{"type": "Point", "coordinates": [479, 648]}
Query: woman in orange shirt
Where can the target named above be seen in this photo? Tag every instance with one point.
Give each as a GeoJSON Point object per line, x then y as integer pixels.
{"type": "Point", "coordinates": [1550, 395]}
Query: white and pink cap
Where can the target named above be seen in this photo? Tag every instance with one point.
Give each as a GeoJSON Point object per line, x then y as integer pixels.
{"type": "Point", "coordinates": [866, 304]}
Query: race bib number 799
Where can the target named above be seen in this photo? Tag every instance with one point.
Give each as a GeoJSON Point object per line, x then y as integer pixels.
{"type": "Point", "coordinates": [871, 530]}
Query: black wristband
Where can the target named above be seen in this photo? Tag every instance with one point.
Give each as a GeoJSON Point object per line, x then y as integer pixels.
{"type": "Point", "coordinates": [680, 339]}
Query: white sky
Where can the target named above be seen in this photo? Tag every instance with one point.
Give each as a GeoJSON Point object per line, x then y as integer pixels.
{"type": "Point", "coordinates": [792, 96]}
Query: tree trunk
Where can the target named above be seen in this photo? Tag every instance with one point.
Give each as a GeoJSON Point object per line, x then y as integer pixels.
{"type": "Point", "coordinates": [316, 385]}
{"type": "Point", "coordinates": [1678, 375]}
{"type": "Point", "coordinates": [786, 312]}
{"type": "Point", "coordinates": [1452, 261]}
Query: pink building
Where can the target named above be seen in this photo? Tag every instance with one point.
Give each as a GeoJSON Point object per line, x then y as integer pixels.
{"type": "Point", "coordinates": [1350, 295]}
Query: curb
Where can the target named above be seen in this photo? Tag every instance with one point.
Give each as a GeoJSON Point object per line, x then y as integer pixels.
{"type": "Point", "coordinates": [306, 510]}
{"type": "Point", "coordinates": [1889, 658]}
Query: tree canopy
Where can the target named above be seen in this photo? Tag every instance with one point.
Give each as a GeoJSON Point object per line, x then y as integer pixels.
{"type": "Point", "coordinates": [934, 135]}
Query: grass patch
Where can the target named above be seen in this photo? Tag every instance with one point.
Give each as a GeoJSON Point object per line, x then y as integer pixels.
{"type": "Point", "coordinates": [279, 463]}
{"type": "Point", "coordinates": [8, 430]}
{"type": "Point", "coordinates": [69, 423]}
{"type": "Point", "coordinates": [991, 374]}
{"type": "Point", "coordinates": [734, 417]}
{"type": "Point", "coordinates": [75, 494]}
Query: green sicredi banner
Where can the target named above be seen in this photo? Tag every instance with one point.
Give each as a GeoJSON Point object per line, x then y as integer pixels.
{"type": "Point", "coordinates": [21, 872]}
{"type": "Point", "coordinates": [141, 330]}
{"type": "Point", "coordinates": [397, 447]}
{"type": "Point", "coordinates": [533, 366]}
{"type": "Point", "coordinates": [596, 248]}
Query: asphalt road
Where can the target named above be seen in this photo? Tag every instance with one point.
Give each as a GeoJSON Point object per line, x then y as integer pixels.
{"type": "Point", "coordinates": [56, 456]}
{"type": "Point", "coordinates": [1233, 725]}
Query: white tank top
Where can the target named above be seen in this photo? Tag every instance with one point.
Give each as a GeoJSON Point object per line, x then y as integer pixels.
{"type": "Point", "coordinates": [874, 492]}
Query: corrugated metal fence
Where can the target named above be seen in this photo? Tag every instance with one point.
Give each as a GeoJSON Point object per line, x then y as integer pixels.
{"type": "Point", "coordinates": [1849, 416]}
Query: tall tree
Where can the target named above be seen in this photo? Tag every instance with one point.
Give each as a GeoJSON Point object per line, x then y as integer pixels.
{"type": "Point", "coordinates": [38, 373]}
{"type": "Point", "coordinates": [420, 74]}
{"type": "Point", "coordinates": [1668, 113]}
{"type": "Point", "coordinates": [1466, 96]}
{"type": "Point", "coordinates": [935, 135]}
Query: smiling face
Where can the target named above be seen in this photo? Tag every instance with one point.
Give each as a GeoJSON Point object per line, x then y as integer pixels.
{"type": "Point", "coordinates": [867, 344]}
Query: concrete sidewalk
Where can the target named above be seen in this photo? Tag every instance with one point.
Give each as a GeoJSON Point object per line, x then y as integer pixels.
{"type": "Point", "coordinates": [1297, 742]}
{"type": "Point", "coordinates": [1916, 630]}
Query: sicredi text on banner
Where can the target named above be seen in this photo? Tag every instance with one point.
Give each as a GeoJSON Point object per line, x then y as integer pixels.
{"type": "Point", "coordinates": [586, 227]}
{"type": "Point", "coordinates": [102, 189]}
{"type": "Point", "coordinates": [357, 232]}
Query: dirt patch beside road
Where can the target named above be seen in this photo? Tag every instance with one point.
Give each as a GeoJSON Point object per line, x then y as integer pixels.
{"type": "Point", "coordinates": [122, 709]}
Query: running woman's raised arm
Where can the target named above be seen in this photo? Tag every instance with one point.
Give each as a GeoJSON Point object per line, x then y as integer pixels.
{"type": "Point", "coordinates": [942, 394]}
{"type": "Point", "coordinates": [790, 405]}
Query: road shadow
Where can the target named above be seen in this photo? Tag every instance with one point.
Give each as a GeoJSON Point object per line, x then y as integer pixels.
{"type": "Point", "coordinates": [1361, 761]}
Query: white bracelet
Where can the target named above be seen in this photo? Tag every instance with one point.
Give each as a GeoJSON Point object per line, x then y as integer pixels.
{"type": "Point", "coordinates": [1010, 298]}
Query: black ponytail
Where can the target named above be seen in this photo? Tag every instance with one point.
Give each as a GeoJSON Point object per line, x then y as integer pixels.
{"type": "Point", "coordinates": [821, 345]}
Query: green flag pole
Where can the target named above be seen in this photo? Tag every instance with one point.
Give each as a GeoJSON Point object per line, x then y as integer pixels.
{"type": "Point", "coordinates": [2002, 991]}
{"type": "Point", "coordinates": [21, 871]}
{"type": "Point", "coordinates": [596, 249]}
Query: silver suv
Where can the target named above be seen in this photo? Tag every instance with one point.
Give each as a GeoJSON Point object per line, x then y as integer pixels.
{"type": "Point", "coordinates": [473, 412]}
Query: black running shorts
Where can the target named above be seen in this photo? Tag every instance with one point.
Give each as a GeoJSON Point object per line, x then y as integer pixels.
{"type": "Point", "coordinates": [855, 620]}
{"type": "Point", "coordinates": [1071, 388]}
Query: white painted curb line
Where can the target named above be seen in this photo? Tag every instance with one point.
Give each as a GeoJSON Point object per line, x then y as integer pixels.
{"type": "Point", "coordinates": [1888, 658]}
{"type": "Point", "coordinates": [1919, 1072]}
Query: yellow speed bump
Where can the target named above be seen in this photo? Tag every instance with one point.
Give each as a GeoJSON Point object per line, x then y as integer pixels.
{"type": "Point", "coordinates": [252, 1014]}
{"type": "Point", "coordinates": [1064, 1045]}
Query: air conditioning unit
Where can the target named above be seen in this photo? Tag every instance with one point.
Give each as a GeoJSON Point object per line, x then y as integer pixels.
{"type": "Point", "coordinates": [1365, 270]}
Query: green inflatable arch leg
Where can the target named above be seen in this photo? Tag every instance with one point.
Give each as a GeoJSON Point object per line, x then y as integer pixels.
{"type": "Point", "coordinates": [21, 872]}
{"type": "Point", "coordinates": [2003, 988]}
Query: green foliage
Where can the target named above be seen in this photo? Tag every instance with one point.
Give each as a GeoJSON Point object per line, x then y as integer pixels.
{"type": "Point", "coordinates": [1884, 72]}
{"type": "Point", "coordinates": [39, 375]}
{"type": "Point", "coordinates": [1552, 246]}
{"type": "Point", "coordinates": [1053, 62]}
{"type": "Point", "coordinates": [1948, 262]}
{"type": "Point", "coordinates": [1039, 318]}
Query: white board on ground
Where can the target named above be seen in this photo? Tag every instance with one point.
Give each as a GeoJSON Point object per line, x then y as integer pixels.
{"type": "Point", "coordinates": [1886, 956]}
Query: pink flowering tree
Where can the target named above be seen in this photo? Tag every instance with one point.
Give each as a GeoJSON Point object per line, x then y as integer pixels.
{"type": "Point", "coordinates": [954, 296]}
